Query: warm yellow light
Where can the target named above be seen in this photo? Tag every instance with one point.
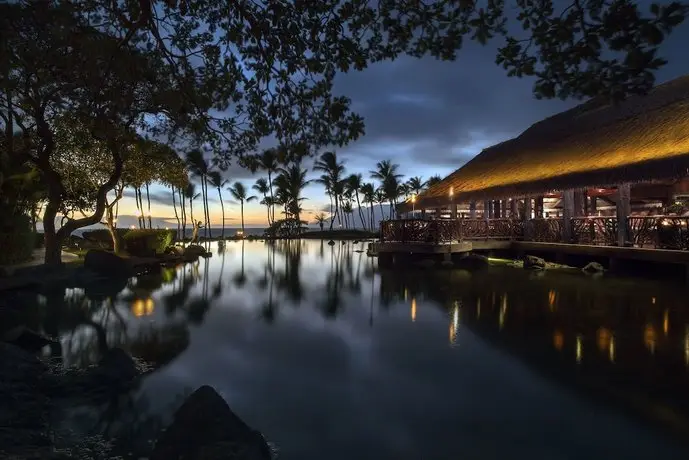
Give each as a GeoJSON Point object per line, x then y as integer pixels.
{"type": "Point", "coordinates": [650, 338]}
{"type": "Point", "coordinates": [503, 311]}
{"type": "Point", "coordinates": [579, 349]}
{"type": "Point", "coordinates": [132, 227]}
{"type": "Point", "coordinates": [413, 308]}
{"type": "Point", "coordinates": [603, 338]}
{"type": "Point", "coordinates": [653, 300]}
{"type": "Point", "coordinates": [455, 316]}
{"type": "Point", "coordinates": [452, 192]}
{"type": "Point", "coordinates": [406, 294]}
{"type": "Point", "coordinates": [611, 349]}
{"type": "Point", "coordinates": [142, 307]}
{"type": "Point", "coordinates": [666, 321]}
{"type": "Point", "coordinates": [552, 295]}
{"type": "Point", "coordinates": [413, 198]}
{"type": "Point", "coordinates": [558, 340]}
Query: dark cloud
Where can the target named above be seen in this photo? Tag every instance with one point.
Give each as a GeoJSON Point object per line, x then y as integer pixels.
{"type": "Point", "coordinates": [159, 197]}
{"type": "Point", "coordinates": [442, 113]}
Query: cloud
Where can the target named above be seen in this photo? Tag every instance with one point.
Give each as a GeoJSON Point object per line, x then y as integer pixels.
{"type": "Point", "coordinates": [157, 196]}
{"type": "Point", "coordinates": [431, 116]}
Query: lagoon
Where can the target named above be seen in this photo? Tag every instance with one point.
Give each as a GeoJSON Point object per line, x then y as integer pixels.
{"type": "Point", "coordinates": [332, 358]}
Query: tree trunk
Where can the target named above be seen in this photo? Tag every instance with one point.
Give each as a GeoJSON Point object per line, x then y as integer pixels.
{"type": "Point", "coordinates": [241, 207]}
{"type": "Point", "coordinates": [382, 211]}
{"type": "Point", "coordinates": [222, 210]}
{"type": "Point", "coordinates": [272, 199]}
{"type": "Point", "coordinates": [361, 213]}
{"type": "Point", "coordinates": [174, 206]}
{"type": "Point", "coordinates": [184, 214]}
{"type": "Point", "coordinates": [114, 234]}
{"type": "Point", "coordinates": [148, 200]}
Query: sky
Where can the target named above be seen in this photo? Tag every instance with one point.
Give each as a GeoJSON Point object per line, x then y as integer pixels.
{"type": "Point", "coordinates": [429, 117]}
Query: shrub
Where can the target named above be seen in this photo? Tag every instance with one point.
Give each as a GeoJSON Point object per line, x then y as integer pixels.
{"type": "Point", "coordinates": [101, 237]}
{"type": "Point", "coordinates": [17, 240]}
{"type": "Point", "coordinates": [144, 242]}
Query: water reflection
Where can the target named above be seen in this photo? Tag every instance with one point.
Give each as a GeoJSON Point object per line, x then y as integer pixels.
{"type": "Point", "coordinates": [276, 322]}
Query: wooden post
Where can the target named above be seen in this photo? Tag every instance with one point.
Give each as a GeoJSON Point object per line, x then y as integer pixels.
{"type": "Point", "coordinates": [568, 203]}
{"type": "Point", "coordinates": [453, 211]}
{"type": "Point", "coordinates": [514, 209]}
{"type": "Point", "coordinates": [540, 211]}
{"type": "Point", "coordinates": [423, 213]}
{"type": "Point", "coordinates": [593, 201]}
{"type": "Point", "coordinates": [472, 210]}
{"type": "Point", "coordinates": [527, 208]}
{"type": "Point", "coordinates": [623, 210]}
{"type": "Point", "coordinates": [487, 209]}
{"type": "Point", "coordinates": [579, 203]}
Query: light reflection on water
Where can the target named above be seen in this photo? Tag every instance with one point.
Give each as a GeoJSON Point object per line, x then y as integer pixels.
{"type": "Point", "coordinates": [331, 358]}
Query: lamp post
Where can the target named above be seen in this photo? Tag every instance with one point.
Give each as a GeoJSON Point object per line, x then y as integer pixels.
{"type": "Point", "coordinates": [413, 205]}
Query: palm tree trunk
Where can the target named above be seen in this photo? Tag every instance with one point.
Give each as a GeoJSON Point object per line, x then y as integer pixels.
{"type": "Point", "coordinates": [271, 218]}
{"type": "Point", "coordinates": [382, 211]}
{"type": "Point", "coordinates": [204, 199]}
{"type": "Point", "coordinates": [241, 207]}
{"type": "Point", "coordinates": [174, 206]}
{"type": "Point", "coordinates": [222, 210]}
{"type": "Point", "coordinates": [332, 221]}
{"type": "Point", "coordinates": [148, 198]}
{"type": "Point", "coordinates": [361, 213]}
{"type": "Point", "coordinates": [208, 211]}
{"type": "Point", "coordinates": [183, 202]}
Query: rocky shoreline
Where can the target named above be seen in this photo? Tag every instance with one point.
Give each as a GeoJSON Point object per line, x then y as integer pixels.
{"type": "Point", "coordinates": [31, 389]}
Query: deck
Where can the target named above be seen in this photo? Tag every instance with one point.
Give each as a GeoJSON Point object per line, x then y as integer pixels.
{"type": "Point", "coordinates": [656, 239]}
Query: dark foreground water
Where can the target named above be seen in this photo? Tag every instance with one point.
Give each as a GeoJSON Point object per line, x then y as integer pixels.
{"type": "Point", "coordinates": [332, 359]}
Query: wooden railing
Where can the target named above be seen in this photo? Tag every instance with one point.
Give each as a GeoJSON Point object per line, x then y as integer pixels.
{"type": "Point", "coordinates": [660, 232]}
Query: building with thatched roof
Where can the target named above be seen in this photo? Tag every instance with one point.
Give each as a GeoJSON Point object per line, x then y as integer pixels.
{"type": "Point", "coordinates": [596, 145]}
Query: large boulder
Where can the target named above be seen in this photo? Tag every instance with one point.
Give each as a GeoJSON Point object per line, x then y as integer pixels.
{"type": "Point", "coordinates": [534, 263]}
{"type": "Point", "coordinates": [206, 428]}
{"type": "Point", "coordinates": [107, 264]}
{"type": "Point", "coordinates": [593, 268]}
{"type": "Point", "coordinates": [194, 250]}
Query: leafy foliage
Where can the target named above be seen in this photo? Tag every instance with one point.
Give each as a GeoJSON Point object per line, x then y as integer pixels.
{"type": "Point", "coordinates": [145, 242]}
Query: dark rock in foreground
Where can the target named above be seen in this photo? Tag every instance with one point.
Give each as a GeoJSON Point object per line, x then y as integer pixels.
{"type": "Point", "coordinates": [205, 428]}
{"type": "Point", "coordinates": [593, 268]}
{"type": "Point", "coordinates": [534, 263]}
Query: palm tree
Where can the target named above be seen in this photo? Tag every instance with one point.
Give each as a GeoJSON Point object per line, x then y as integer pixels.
{"type": "Point", "coordinates": [380, 199]}
{"type": "Point", "coordinates": [320, 220]}
{"type": "Point", "coordinates": [239, 193]}
{"type": "Point", "coordinates": [191, 195]}
{"type": "Point", "coordinates": [386, 173]}
{"type": "Point", "coordinates": [333, 170]}
{"type": "Point", "coordinates": [433, 180]}
{"type": "Point", "coordinates": [199, 167]}
{"type": "Point", "coordinates": [268, 161]}
{"type": "Point", "coordinates": [354, 183]}
{"type": "Point", "coordinates": [293, 181]}
{"type": "Point", "coordinates": [347, 211]}
{"type": "Point", "coordinates": [217, 181]}
{"type": "Point", "coordinates": [262, 187]}
{"type": "Point", "coordinates": [369, 192]}
{"type": "Point", "coordinates": [416, 185]}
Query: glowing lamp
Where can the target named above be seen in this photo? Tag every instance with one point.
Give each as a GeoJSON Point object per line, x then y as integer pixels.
{"type": "Point", "coordinates": [452, 192]}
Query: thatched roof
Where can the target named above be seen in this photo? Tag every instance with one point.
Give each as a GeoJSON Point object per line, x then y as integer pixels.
{"type": "Point", "coordinates": [595, 144]}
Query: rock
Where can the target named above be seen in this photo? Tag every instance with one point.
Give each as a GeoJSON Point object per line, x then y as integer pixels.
{"type": "Point", "coordinates": [534, 263]}
{"type": "Point", "coordinates": [331, 243]}
{"type": "Point", "coordinates": [447, 264]}
{"type": "Point", "coordinates": [206, 428]}
{"type": "Point", "coordinates": [26, 339]}
{"type": "Point", "coordinates": [107, 264]}
{"type": "Point", "coordinates": [194, 250]}
{"type": "Point", "coordinates": [473, 260]}
{"type": "Point", "coordinates": [118, 364]}
{"type": "Point", "coordinates": [593, 268]}
{"type": "Point", "coordinates": [174, 251]}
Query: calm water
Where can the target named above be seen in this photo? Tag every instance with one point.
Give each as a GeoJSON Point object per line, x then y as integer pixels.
{"type": "Point", "coordinates": [332, 359]}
